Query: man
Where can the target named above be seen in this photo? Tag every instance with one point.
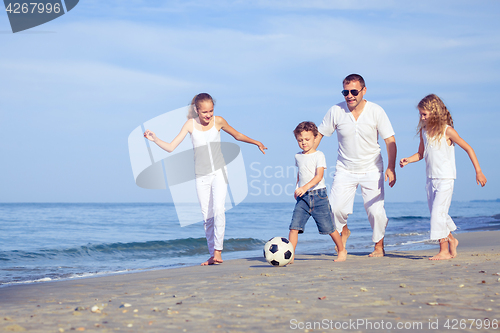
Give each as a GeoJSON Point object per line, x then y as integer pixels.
{"type": "Point", "coordinates": [358, 123]}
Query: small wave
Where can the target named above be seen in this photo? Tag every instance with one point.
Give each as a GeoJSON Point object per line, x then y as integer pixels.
{"type": "Point", "coordinates": [136, 250]}
{"type": "Point", "coordinates": [410, 234]}
{"type": "Point", "coordinates": [425, 241]}
{"type": "Point", "coordinates": [409, 217]}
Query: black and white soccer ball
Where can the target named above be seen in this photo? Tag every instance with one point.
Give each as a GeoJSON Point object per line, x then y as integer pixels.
{"type": "Point", "coordinates": [278, 251]}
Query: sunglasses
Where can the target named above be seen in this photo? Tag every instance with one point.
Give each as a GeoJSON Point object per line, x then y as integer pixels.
{"type": "Point", "coordinates": [354, 92]}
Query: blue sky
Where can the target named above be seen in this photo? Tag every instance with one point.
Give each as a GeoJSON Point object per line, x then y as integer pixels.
{"type": "Point", "coordinates": [73, 89]}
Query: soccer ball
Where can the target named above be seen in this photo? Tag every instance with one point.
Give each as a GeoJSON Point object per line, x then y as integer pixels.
{"type": "Point", "coordinates": [278, 251]}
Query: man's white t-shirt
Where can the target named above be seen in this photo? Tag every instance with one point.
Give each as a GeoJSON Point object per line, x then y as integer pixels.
{"type": "Point", "coordinates": [307, 164]}
{"type": "Point", "coordinates": [359, 151]}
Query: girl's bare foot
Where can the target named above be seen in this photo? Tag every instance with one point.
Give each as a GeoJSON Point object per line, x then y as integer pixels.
{"type": "Point", "coordinates": [218, 257]}
{"type": "Point", "coordinates": [453, 246]}
{"type": "Point", "coordinates": [441, 256]}
{"type": "Point", "coordinates": [377, 253]}
{"type": "Point", "coordinates": [444, 246]}
{"type": "Point", "coordinates": [379, 249]}
{"type": "Point", "coordinates": [210, 261]}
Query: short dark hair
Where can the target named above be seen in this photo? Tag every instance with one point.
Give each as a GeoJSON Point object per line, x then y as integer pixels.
{"type": "Point", "coordinates": [307, 126]}
{"type": "Point", "coordinates": [354, 77]}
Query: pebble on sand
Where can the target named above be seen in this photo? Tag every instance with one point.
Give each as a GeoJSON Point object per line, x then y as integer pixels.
{"type": "Point", "coordinates": [95, 309]}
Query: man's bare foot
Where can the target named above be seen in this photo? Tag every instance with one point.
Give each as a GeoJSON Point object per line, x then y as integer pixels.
{"type": "Point", "coordinates": [453, 246]}
{"type": "Point", "coordinates": [345, 235]}
{"type": "Point", "coordinates": [210, 261]}
{"type": "Point", "coordinates": [342, 255]}
{"type": "Point", "coordinates": [441, 256]}
{"type": "Point", "coordinates": [377, 253]}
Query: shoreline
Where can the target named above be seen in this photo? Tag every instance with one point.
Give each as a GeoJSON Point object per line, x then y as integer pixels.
{"type": "Point", "coordinates": [422, 246]}
{"type": "Point", "coordinates": [249, 295]}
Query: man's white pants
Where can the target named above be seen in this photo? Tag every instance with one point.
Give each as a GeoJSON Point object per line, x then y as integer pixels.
{"type": "Point", "coordinates": [439, 193]}
{"type": "Point", "coordinates": [342, 195]}
{"type": "Point", "coordinates": [212, 190]}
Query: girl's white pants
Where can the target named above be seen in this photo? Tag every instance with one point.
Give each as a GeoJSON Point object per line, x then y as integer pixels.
{"type": "Point", "coordinates": [212, 190]}
{"type": "Point", "coordinates": [342, 195]}
{"type": "Point", "coordinates": [439, 193]}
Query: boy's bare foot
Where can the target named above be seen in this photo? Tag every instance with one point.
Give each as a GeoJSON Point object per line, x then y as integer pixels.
{"type": "Point", "coordinates": [210, 261]}
{"type": "Point", "coordinates": [441, 256]}
{"type": "Point", "coordinates": [342, 255]}
{"type": "Point", "coordinates": [453, 246]}
{"type": "Point", "coordinates": [345, 235]}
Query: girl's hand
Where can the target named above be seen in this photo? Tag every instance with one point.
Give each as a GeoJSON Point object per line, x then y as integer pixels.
{"type": "Point", "coordinates": [480, 178]}
{"type": "Point", "coordinates": [261, 147]}
{"type": "Point", "coordinates": [150, 135]}
{"type": "Point", "coordinates": [403, 162]}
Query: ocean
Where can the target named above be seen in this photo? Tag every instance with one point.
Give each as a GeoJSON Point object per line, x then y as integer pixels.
{"type": "Point", "coordinates": [52, 241]}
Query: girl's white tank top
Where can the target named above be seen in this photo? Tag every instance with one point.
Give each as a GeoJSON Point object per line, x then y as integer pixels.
{"type": "Point", "coordinates": [207, 150]}
{"type": "Point", "coordinates": [439, 157]}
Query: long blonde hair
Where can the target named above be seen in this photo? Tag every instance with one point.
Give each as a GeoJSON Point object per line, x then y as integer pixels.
{"type": "Point", "coordinates": [439, 117]}
{"type": "Point", "coordinates": [195, 103]}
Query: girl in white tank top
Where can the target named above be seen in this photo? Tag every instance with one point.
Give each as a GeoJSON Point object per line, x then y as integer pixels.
{"type": "Point", "coordinates": [210, 170]}
{"type": "Point", "coordinates": [437, 146]}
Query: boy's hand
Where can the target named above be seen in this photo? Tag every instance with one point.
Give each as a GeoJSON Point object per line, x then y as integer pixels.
{"type": "Point", "coordinates": [299, 192]}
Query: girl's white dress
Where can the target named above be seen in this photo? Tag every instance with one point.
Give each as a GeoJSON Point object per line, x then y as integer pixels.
{"type": "Point", "coordinates": [441, 174]}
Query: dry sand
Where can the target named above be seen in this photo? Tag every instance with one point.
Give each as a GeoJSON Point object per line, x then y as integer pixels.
{"type": "Point", "coordinates": [401, 290]}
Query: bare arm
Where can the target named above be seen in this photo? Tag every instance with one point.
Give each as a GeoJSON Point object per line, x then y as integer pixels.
{"type": "Point", "coordinates": [296, 186]}
{"type": "Point", "coordinates": [237, 135]}
{"type": "Point", "coordinates": [169, 146]}
{"type": "Point", "coordinates": [390, 173]}
{"type": "Point", "coordinates": [415, 157]}
{"type": "Point", "coordinates": [317, 140]}
{"type": "Point", "coordinates": [453, 135]}
{"type": "Point", "coordinates": [316, 179]}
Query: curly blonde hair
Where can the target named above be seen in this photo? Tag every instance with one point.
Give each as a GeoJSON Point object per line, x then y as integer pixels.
{"type": "Point", "coordinates": [439, 117]}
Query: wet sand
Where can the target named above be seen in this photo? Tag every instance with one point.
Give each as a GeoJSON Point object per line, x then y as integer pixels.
{"type": "Point", "coordinates": [399, 291]}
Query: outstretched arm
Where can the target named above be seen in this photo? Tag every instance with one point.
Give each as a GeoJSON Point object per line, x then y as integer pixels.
{"type": "Point", "coordinates": [169, 146]}
{"type": "Point", "coordinates": [390, 173]}
{"type": "Point", "coordinates": [453, 135]}
{"type": "Point", "coordinates": [415, 157]}
{"type": "Point", "coordinates": [237, 135]}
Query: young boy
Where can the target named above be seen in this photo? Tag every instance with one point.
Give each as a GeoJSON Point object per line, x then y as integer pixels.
{"type": "Point", "coordinates": [310, 194]}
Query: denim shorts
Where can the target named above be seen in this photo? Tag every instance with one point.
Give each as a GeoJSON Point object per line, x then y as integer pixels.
{"type": "Point", "coordinates": [313, 203]}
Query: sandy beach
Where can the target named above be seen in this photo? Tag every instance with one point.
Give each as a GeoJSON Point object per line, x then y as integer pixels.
{"type": "Point", "coordinates": [401, 291]}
